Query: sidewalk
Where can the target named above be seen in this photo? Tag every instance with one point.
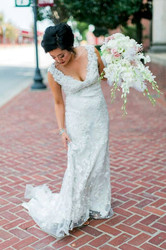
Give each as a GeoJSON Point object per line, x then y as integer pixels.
{"type": "Point", "coordinates": [31, 152]}
{"type": "Point", "coordinates": [17, 69]}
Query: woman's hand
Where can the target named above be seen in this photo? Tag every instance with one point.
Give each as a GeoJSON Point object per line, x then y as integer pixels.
{"type": "Point", "coordinates": [65, 139]}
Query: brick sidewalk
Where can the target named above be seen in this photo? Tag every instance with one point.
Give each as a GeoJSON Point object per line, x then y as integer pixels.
{"type": "Point", "coordinates": [31, 152]}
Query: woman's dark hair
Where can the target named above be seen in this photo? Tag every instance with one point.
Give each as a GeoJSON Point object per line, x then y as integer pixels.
{"type": "Point", "coordinates": [58, 36]}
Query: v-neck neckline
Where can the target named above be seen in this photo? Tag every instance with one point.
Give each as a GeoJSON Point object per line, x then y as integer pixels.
{"type": "Point", "coordinates": [87, 69]}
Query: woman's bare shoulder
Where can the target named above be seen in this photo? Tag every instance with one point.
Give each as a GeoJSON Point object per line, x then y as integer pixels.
{"type": "Point", "coordinates": [81, 52]}
{"type": "Point", "coordinates": [80, 49]}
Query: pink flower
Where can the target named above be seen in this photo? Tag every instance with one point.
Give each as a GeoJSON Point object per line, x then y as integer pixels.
{"type": "Point", "coordinates": [112, 37]}
{"type": "Point", "coordinates": [115, 53]}
{"type": "Point", "coordinates": [109, 38]}
{"type": "Point", "coordinates": [137, 49]}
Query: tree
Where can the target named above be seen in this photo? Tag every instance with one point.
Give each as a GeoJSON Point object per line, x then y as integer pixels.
{"type": "Point", "coordinates": [110, 13]}
{"type": "Point", "coordinates": [83, 28]}
{"type": "Point", "coordinates": [103, 14]}
{"type": "Point", "coordinates": [145, 11]}
{"type": "Point", "coordinates": [1, 18]}
{"type": "Point", "coordinates": [58, 13]}
{"type": "Point", "coordinates": [7, 30]}
{"type": "Point", "coordinates": [11, 33]}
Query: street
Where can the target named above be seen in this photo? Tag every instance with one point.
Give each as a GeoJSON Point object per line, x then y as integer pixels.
{"type": "Point", "coordinates": [17, 67]}
{"type": "Point", "coordinates": [32, 153]}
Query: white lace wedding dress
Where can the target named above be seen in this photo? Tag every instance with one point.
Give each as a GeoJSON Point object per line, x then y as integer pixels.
{"type": "Point", "coordinates": [85, 191]}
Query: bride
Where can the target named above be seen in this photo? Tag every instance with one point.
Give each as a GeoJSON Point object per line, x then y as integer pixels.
{"type": "Point", "coordinates": [83, 124]}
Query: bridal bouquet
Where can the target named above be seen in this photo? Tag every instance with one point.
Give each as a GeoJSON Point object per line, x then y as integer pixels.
{"type": "Point", "coordinates": [124, 67]}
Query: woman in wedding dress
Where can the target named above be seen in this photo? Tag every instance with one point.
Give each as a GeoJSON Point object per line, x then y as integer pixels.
{"type": "Point", "coordinates": [84, 127]}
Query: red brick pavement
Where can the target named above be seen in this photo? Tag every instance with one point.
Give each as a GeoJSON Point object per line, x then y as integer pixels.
{"type": "Point", "coordinates": [31, 152]}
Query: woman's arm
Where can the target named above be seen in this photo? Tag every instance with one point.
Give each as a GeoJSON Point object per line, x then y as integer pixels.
{"type": "Point", "coordinates": [100, 63]}
{"type": "Point", "coordinates": [59, 107]}
{"type": "Point", "coordinates": [58, 101]}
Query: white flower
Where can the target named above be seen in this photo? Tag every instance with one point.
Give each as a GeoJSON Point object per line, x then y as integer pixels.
{"type": "Point", "coordinates": [123, 65]}
{"type": "Point", "coordinates": [147, 59]}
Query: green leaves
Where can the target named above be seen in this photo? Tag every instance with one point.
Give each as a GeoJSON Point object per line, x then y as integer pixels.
{"type": "Point", "coordinates": [103, 14]}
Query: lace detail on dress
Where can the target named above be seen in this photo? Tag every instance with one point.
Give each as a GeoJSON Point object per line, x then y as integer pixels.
{"type": "Point", "coordinates": [85, 191]}
{"type": "Point", "coordinates": [71, 85]}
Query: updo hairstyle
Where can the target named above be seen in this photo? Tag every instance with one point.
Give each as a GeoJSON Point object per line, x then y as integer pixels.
{"type": "Point", "coordinates": [58, 36]}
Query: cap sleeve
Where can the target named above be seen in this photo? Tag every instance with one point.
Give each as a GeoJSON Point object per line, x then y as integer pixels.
{"type": "Point", "coordinates": [55, 73]}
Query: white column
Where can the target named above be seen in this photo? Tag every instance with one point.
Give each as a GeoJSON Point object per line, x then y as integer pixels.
{"type": "Point", "coordinates": [159, 26]}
